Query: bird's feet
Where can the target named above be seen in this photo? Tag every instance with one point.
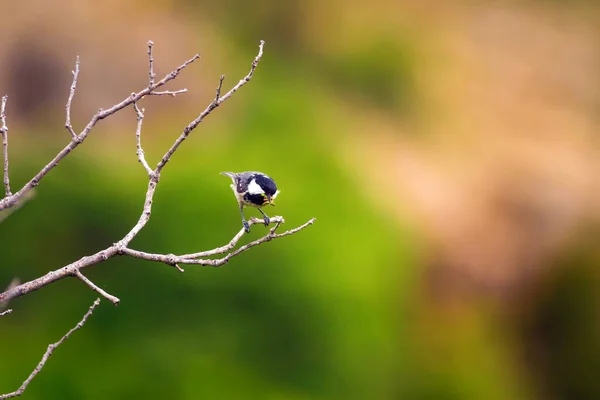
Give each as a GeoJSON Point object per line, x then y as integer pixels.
{"type": "Point", "coordinates": [246, 226]}
{"type": "Point", "coordinates": [267, 220]}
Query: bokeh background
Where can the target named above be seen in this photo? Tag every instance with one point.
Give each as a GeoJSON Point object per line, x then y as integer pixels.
{"type": "Point", "coordinates": [448, 149]}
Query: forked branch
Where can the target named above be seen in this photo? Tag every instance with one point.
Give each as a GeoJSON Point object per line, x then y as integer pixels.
{"type": "Point", "coordinates": [13, 199]}
{"type": "Point", "coordinates": [122, 246]}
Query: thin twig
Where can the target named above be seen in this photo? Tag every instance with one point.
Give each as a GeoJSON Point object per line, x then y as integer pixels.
{"type": "Point", "coordinates": [178, 268]}
{"type": "Point", "coordinates": [138, 140]}
{"type": "Point", "coordinates": [49, 352]}
{"type": "Point", "coordinates": [3, 313]}
{"type": "Point", "coordinates": [70, 99]}
{"type": "Point", "coordinates": [171, 93]}
{"type": "Point", "coordinates": [151, 74]}
{"type": "Point", "coordinates": [219, 88]}
{"type": "Point", "coordinates": [97, 289]}
{"type": "Point", "coordinates": [4, 132]}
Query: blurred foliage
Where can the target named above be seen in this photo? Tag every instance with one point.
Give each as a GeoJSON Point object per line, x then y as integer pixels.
{"type": "Point", "coordinates": [381, 74]}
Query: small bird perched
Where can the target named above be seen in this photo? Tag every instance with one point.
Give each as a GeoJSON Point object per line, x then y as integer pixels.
{"type": "Point", "coordinates": [253, 189]}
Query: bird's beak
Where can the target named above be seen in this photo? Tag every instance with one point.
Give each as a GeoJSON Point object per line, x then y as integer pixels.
{"type": "Point", "coordinates": [270, 200]}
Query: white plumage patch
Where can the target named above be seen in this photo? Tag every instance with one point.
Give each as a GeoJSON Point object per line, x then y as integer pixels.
{"type": "Point", "coordinates": [254, 188]}
{"type": "Point", "coordinates": [275, 195]}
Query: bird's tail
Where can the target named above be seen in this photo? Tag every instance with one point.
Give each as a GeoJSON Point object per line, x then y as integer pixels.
{"type": "Point", "coordinates": [232, 175]}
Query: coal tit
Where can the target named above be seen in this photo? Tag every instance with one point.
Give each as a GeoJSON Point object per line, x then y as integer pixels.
{"type": "Point", "coordinates": [253, 189]}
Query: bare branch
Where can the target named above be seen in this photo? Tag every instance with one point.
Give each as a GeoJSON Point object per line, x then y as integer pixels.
{"type": "Point", "coordinates": [122, 249]}
{"type": "Point", "coordinates": [151, 64]}
{"type": "Point", "coordinates": [138, 139]}
{"type": "Point", "coordinates": [10, 201]}
{"type": "Point", "coordinates": [192, 125]}
{"type": "Point", "coordinates": [96, 289]}
{"type": "Point", "coordinates": [171, 259]}
{"type": "Point", "coordinates": [49, 352]}
{"type": "Point", "coordinates": [171, 93]}
{"type": "Point", "coordinates": [219, 88]}
{"type": "Point", "coordinates": [223, 249]}
{"type": "Point", "coordinates": [3, 313]}
{"type": "Point", "coordinates": [70, 99]}
{"type": "Point", "coordinates": [4, 132]}
{"type": "Point", "coordinates": [53, 276]}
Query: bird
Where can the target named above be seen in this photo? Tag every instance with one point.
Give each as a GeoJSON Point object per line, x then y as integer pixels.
{"type": "Point", "coordinates": [253, 189]}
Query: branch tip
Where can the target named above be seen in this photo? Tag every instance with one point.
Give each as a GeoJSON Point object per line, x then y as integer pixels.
{"type": "Point", "coordinates": [75, 74]}
{"type": "Point", "coordinates": [151, 74]}
{"type": "Point", "coordinates": [96, 289]}
{"type": "Point", "coordinates": [4, 133]}
{"type": "Point", "coordinates": [178, 267]}
{"type": "Point", "coordinates": [216, 102]}
{"type": "Point", "coordinates": [138, 139]}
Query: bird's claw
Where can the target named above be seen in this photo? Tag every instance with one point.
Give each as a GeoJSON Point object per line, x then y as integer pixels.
{"type": "Point", "coordinates": [267, 220]}
{"type": "Point", "coordinates": [246, 226]}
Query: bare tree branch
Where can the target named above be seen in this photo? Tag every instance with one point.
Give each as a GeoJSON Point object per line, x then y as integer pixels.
{"type": "Point", "coordinates": [138, 139]}
{"type": "Point", "coordinates": [171, 259]}
{"type": "Point", "coordinates": [49, 352]}
{"type": "Point", "coordinates": [12, 200]}
{"type": "Point", "coordinates": [96, 289]}
{"type": "Point", "coordinates": [171, 93]}
{"type": "Point", "coordinates": [122, 246]}
{"type": "Point", "coordinates": [219, 88]}
{"type": "Point", "coordinates": [70, 100]}
{"type": "Point", "coordinates": [151, 74]}
{"type": "Point", "coordinates": [3, 313]}
{"type": "Point", "coordinates": [4, 132]}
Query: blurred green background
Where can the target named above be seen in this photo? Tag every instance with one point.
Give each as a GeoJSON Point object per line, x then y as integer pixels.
{"type": "Point", "coordinates": [449, 151]}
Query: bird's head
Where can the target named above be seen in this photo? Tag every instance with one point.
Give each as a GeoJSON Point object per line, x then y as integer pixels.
{"type": "Point", "coordinates": [265, 187]}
